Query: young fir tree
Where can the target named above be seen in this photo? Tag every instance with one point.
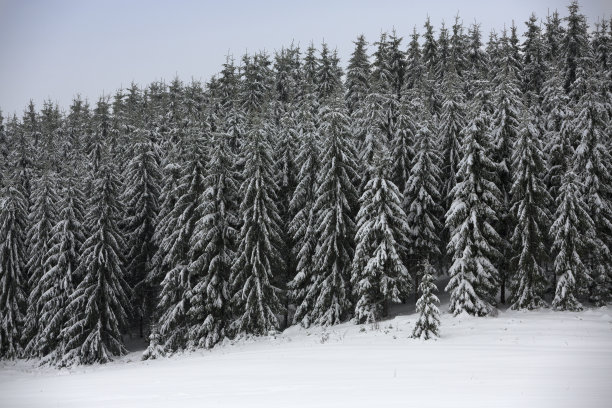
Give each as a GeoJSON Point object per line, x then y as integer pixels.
{"type": "Point", "coordinates": [13, 220]}
{"type": "Point", "coordinates": [142, 179]}
{"type": "Point", "coordinates": [173, 253]}
{"type": "Point", "coordinates": [100, 305]}
{"type": "Point", "coordinates": [60, 279]}
{"type": "Point", "coordinates": [213, 249]}
{"type": "Point", "coordinates": [594, 168]}
{"type": "Point", "coordinates": [530, 203]}
{"type": "Point", "coordinates": [302, 227]}
{"type": "Point", "coordinates": [255, 297]}
{"type": "Point", "coordinates": [474, 242]}
{"type": "Point", "coordinates": [42, 218]}
{"type": "Point", "coordinates": [422, 200]}
{"type": "Point", "coordinates": [155, 350]}
{"type": "Point", "coordinates": [572, 234]}
{"type": "Point", "coordinates": [328, 299]}
{"type": "Point", "coordinates": [428, 324]}
{"type": "Point", "coordinates": [378, 273]}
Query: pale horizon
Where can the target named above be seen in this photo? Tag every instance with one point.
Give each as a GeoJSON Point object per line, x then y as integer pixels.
{"type": "Point", "coordinates": [56, 50]}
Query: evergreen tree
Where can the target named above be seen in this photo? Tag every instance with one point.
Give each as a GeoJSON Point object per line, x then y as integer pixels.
{"type": "Point", "coordinates": [142, 178]}
{"type": "Point", "coordinates": [4, 152]}
{"type": "Point", "coordinates": [329, 83]}
{"type": "Point", "coordinates": [357, 76]}
{"type": "Point", "coordinates": [302, 205]}
{"type": "Point", "coordinates": [60, 278]}
{"type": "Point", "coordinates": [452, 122]}
{"type": "Point", "coordinates": [328, 299]}
{"type": "Point", "coordinates": [13, 219]}
{"type": "Point", "coordinates": [285, 153]}
{"type": "Point", "coordinates": [414, 62]}
{"type": "Point", "coordinates": [255, 298]}
{"type": "Point", "coordinates": [428, 324]}
{"type": "Point", "coordinates": [42, 219]}
{"type": "Point", "coordinates": [213, 248]}
{"type": "Point", "coordinates": [422, 200]}
{"type": "Point", "coordinates": [430, 48]}
{"type": "Point", "coordinates": [553, 38]}
{"type": "Point", "coordinates": [154, 350]}
{"type": "Point", "coordinates": [530, 201]}
{"type": "Point", "coordinates": [474, 243]}
{"type": "Point", "coordinates": [504, 133]}
{"type": "Point", "coordinates": [574, 45]}
{"type": "Point", "coordinates": [534, 68]}
{"type": "Point", "coordinates": [379, 275]}
{"type": "Point", "coordinates": [594, 168]}
{"type": "Point", "coordinates": [572, 234]}
{"type": "Point", "coordinates": [100, 305]}
{"type": "Point", "coordinates": [402, 141]}
{"type": "Point", "coordinates": [172, 260]}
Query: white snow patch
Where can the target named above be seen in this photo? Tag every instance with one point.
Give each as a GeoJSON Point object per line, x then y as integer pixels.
{"type": "Point", "coordinates": [518, 359]}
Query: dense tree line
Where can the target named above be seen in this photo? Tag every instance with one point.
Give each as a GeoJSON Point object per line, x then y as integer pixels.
{"type": "Point", "coordinates": [287, 190]}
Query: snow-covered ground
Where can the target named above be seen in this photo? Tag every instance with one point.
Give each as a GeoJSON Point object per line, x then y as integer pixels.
{"type": "Point", "coordinates": [517, 359]}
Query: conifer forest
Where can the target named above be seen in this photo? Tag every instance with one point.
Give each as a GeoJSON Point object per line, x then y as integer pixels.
{"type": "Point", "coordinates": [295, 190]}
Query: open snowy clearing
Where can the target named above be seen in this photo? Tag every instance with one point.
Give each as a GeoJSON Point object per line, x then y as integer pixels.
{"type": "Point", "coordinates": [518, 359]}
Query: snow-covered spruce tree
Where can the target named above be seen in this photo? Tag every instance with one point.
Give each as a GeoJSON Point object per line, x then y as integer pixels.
{"type": "Point", "coordinates": [13, 220]}
{"type": "Point", "coordinates": [328, 299]}
{"type": "Point", "coordinates": [165, 222]}
{"type": "Point", "coordinates": [422, 200]}
{"type": "Point", "coordinates": [414, 64]}
{"type": "Point", "coordinates": [42, 218]}
{"type": "Point", "coordinates": [594, 168]}
{"type": "Point", "coordinates": [534, 70]}
{"type": "Point", "coordinates": [402, 141]}
{"type": "Point", "coordinates": [213, 248]}
{"type": "Point", "coordinates": [572, 234]}
{"type": "Point", "coordinates": [302, 226]}
{"type": "Point", "coordinates": [553, 38]}
{"type": "Point", "coordinates": [474, 242]}
{"type": "Point", "coordinates": [559, 134]}
{"type": "Point", "coordinates": [255, 298]}
{"type": "Point", "coordinates": [558, 123]}
{"type": "Point", "coordinates": [378, 272]}
{"type": "Point", "coordinates": [285, 144]}
{"type": "Point", "coordinates": [173, 251]}
{"type": "Point", "coordinates": [59, 280]}
{"type": "Point", "coordinates": [504, 132]}
{"type": "Point", "coordinates": [142, 178]}
{"type": "Point", "coordinates": [428, 323]}
{"type": "Point", "coordinates": [329, 84]}
{"type": "Point", "coordinates": [155, 350]}
{"type": "Point", "coordinates": [451, 123]}
{"type": "Point", "coordinates": [443, 57]}
{"type": "Point", "coordinates": [4, 151]}
{"type": "Point", "coordinates": [357, 76]}
{"type": "Point", "coordinates": [100, 305]}
{"type": "Point", "coordinates": [530, 203]}
{"type": "Point", "coordinates": [574, 45]}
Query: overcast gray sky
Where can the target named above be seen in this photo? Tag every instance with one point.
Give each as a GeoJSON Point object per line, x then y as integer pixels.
{"type": "Point", "coordinates": [56, 49]}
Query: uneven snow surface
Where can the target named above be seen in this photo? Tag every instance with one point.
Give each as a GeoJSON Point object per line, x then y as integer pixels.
{"type": "Point", "coordinates": [517, 359]}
